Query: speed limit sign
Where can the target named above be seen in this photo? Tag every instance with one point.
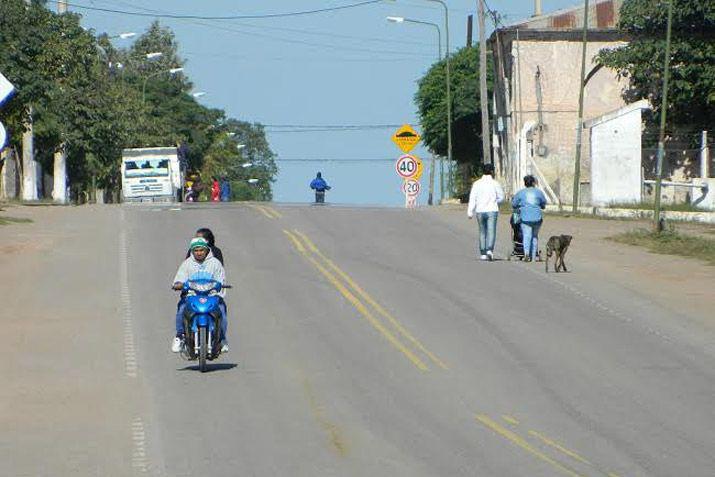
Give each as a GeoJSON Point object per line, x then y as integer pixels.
{"type": "Point", "coordinates": [406, 166]}
{"type": "Point", "coordinates": [411, 187]}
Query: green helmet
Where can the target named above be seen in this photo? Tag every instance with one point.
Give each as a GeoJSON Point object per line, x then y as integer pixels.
{"type": "Point", "coordinates": [198, 242]}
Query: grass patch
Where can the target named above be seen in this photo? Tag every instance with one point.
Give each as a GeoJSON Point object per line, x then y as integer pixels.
{"type": "Point", "coordinates": [649, 205]}
{"type": "Point", "coordinates": [13, 220]}
{"type": "Point", "coordinates": [670, 243]}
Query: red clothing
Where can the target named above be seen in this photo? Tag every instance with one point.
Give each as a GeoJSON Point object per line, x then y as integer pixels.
{"type": "Point", "coordinates": [215, 191]}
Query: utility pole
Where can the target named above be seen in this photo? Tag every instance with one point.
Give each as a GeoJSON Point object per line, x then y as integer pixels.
{"type": "Point", "coordinates": [663, 111]}
{"type": "Point", "coordinates": [470, 22]}
{"type": "Point", "coordinates": [29, 166]}
{"type": "Point", "coordinates": [59, 172]}
{"type": "Point", "coordinates": [483, 96]}
{"type": "Point", "coordinates": [579, 125]}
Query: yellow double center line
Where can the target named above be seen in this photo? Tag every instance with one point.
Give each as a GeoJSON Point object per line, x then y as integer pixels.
{"type": "Point", "coordinates": [269, 212]}
{"type": "Point", "coordinates": [370, 308]}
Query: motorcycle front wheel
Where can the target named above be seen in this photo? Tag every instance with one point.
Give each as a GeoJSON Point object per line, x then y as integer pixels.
{"type": "Point", "coordinates": [203, 348]}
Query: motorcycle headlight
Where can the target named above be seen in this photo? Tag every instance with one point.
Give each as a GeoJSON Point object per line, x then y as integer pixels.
{"type": "Point", "coordinates": [201, 287]}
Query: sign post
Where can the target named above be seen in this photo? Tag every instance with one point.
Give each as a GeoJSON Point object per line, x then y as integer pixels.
{"type": "Point", "coordinates": [408, 166]}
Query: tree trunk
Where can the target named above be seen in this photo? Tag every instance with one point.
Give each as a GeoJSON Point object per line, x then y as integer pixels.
{"type": "Point", "coordinates": [29, 166]}
{"type": "Point", "coordinates": [59, 189]}
{"type": "Point", "coordinates": [8, 176]}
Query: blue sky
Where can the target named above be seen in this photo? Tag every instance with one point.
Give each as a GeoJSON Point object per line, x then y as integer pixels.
{"type": "Point", "coordinates": [349, 67]}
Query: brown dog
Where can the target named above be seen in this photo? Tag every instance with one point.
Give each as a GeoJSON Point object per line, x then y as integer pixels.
{"type": "Point", "coordinates": [558, 245]}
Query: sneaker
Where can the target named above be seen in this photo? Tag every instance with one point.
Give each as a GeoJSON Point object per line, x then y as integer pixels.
{"type": "Point", "coordinates": [224, 347]}
{"type": "Point", "coordinates": [482, 257]}
{"type": "Point", "coordinates": [177, 345]}
{"type": "Point", "coordinates": [490, 255]}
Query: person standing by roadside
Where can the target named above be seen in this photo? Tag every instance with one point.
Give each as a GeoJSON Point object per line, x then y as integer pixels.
{"type": "Point", "coordinates": [529, 202]}
{"type": "Point", "coordinates": [225, 190]}
{"type": "Point", "coordinates": [215, 190]}
{"type": "Point", "coordinates": [484, 199]}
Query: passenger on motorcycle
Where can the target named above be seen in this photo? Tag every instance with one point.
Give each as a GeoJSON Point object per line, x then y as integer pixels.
{"type": "Point", "coordinates": [204, 263]}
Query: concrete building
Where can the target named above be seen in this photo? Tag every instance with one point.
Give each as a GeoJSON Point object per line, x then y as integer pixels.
{"type": "Point", "coordinates": [615, 152]}
{"type": "Point", "coordinates": [537, 72]}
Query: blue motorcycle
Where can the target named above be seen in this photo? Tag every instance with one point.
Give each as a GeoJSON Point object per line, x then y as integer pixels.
{"type": "Point", "coordinates": [202, 320]}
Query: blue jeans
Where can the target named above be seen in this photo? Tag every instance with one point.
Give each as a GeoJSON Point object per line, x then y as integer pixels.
{"type": "Point", "coordinates": [180, 318]}
{"type": "Point", "coordinates": [530, 238]}
{"type": "Point", "coordinates": [487, 231]}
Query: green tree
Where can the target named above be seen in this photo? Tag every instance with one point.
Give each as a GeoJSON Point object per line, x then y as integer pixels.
{"type": "Point", "coordinates": [431, 99]}
{"type": "Point", "coordinates": [239, 144]}
{"type": "Point", "coordinates": [691, 95]}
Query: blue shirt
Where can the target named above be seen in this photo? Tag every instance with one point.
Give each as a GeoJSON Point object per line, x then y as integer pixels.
{"type": "Point", "coordinates": [529, 202]}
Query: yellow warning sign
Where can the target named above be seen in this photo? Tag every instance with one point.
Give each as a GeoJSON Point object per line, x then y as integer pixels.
{"type": "Point", "coordinates": [420, 169]}
{"type": "Point", "coordinates": [406, 138]}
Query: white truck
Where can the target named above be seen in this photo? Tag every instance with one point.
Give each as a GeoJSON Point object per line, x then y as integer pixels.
{"type": "Point", "coordinates": [151, 174]}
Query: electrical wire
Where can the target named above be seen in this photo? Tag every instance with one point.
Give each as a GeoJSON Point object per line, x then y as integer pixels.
{"type": "Point", "coordinates": [287, 40]}
{"type": "Point", "coordinates": [293, 30]}
{"type": "Point", "coordinates": [226, 17]}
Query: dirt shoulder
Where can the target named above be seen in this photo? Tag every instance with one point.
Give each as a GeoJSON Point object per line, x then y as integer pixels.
{"type": "Point", "coordinates": [65, 399]}
{"type": "Point", "coordinates": [684, 286]}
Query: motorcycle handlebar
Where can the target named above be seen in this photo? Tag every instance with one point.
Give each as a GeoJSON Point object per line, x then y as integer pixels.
{"type": "Point", "coordinates": [180, 289]}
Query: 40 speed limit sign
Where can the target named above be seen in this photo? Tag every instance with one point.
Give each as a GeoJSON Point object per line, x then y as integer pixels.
{"type": "Point", "coordinates": [409, 167]}
{"type": "Point", "coordinates": [411, 188]}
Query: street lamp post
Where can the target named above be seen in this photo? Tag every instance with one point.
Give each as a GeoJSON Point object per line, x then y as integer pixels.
{"type": "Point", "coordinates": [439, 57]}
{"type": "Point", "coordinates": [172, 71]}
{"type": "Point", "coordinates": [449, 90]}
{"type": "Point", "coordinates": [449, 87]}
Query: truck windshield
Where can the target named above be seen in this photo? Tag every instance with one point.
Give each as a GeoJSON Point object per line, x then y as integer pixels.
{"type": "Point", "coordinates": [146, 168]}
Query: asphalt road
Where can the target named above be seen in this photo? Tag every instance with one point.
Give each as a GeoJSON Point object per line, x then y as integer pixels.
{"type": "Point", "coordinates": [364, 342]}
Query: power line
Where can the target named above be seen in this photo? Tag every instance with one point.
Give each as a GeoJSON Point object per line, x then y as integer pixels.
{"type": "Point", "coordinates": [292, 30]}
{"type": "Point", "coordinates": [227, 17]}
{"type": "Point", "coordinates": [335, 160]}
{"type": "Point", "coordinates": [285, 40]}
{"type": "Point", "coordinates": [335, 126]}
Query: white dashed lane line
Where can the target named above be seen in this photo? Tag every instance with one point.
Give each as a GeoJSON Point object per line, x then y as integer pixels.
{"type": "Point", "coordinates": [130, 354]}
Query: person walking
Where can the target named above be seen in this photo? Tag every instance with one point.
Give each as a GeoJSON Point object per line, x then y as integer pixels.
{"type": "Point", "coordinates": [484, 199]}
{"type": "Point", "coordinates": [529, 203]}
{"type": "Point", "coordinates": [320, 186]}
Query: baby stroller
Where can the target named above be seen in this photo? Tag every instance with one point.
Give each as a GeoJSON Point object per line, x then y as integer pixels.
{"type": "Point", "coordinates": [517, 240]}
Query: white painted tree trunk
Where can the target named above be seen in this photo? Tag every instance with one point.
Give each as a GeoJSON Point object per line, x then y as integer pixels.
{"type": "Point", "coordinates": [59, 188]}
{"type": "Point", "coordinates": [8, 176]}
{"type": "Point", "coordinates": [29, 166]}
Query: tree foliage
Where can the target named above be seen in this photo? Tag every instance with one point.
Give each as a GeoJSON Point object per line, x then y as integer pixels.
{"type": "Point", "coordinates": [691, 95]}
{"type": "Point", "coordinates": [94, 100]}
{"type": "Point", "coordinates": [431, 99]}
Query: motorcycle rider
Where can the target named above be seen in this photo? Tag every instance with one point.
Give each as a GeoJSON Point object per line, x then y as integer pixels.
{"type": "Point", "coordinates": [200, 262]}
{"type": "Point", "coordinates": [209, 236]}
{"type": "Point", "coordinates": [319, 186]}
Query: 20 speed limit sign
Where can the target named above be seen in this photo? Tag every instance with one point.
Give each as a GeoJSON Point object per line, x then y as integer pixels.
{"type": "Point", "coordinates": [406, 166]}
{"type": "Point", "coordinates": [411, 187]}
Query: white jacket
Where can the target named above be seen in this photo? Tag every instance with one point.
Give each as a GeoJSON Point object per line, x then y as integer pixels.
{"type": "Point", "coordinates": [209, 268]}
{"type": "Point", "coordinates": [485, 196]}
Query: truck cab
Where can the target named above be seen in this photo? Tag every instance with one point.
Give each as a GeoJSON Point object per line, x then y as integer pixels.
{"type": "Point", "coordinates": [151, 175]}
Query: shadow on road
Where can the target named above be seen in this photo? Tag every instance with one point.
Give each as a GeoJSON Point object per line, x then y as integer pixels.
{"type": "Point", "coordinates": [211, 367]}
